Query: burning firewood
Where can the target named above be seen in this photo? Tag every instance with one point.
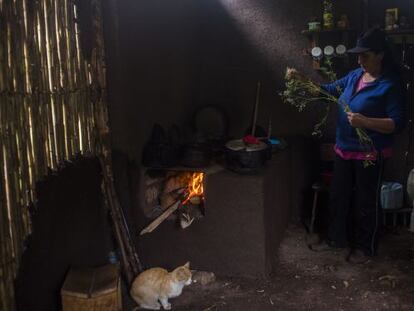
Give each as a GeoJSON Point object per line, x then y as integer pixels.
{"type": "Point", "coordinates": [169, 198]}
{"type": "Point", "coordinates": [175, 182]}
{"type": "Point", "coordinates": [153, 225]}
{"type": "Point", "coordinates": [173, 186]}
{"type": "Point", "coordinates": [182, 190]}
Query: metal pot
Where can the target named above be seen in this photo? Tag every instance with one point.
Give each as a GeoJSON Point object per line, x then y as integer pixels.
{"type": "Point", "coordinates": [196, 155]}
{"type": "Point", "coordinates": [243, 158]}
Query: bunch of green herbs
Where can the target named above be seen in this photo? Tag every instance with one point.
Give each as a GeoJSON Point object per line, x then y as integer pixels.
{"type": "Point", "coordinates": [301, 91]}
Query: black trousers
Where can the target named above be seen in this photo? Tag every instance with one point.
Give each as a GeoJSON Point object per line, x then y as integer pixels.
{"type": "Point", "coordinates": [354, 204]}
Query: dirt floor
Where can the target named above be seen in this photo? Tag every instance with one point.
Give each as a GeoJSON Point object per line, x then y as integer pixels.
{"type": "Point", "coordinates": [307, 280]}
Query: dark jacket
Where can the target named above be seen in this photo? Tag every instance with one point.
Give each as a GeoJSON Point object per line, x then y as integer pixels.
{"type": "Point", "coordinates": [384, 98]}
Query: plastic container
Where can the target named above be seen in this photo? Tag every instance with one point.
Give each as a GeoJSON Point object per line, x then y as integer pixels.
{"type": "Point", "coordinates": [314, 26]}
{"type": "Point", "coordinates": [410, 186]}
{"type": "Point", "coordinates": [391, 195]}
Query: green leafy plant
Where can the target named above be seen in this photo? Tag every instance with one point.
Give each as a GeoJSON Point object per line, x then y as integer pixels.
{"type": "Point", "coordinates": [300, 91]}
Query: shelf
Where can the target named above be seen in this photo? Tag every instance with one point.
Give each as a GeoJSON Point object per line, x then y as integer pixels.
{"type": "Point", "coordinates": [399, 32]}
{"type": "Point", "coordinates": [401, 36]}
{"type": "Point", "coordinates": [326, 31]}
{"type": "Point", "coordinates": [331, 37]}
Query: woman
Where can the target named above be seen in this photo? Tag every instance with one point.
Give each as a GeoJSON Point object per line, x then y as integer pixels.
{"type": "Point", "coordinates": [376, 97]}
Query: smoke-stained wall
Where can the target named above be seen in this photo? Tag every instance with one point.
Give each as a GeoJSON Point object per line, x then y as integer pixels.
{"type": "Point", "coordinates": [166, 58]}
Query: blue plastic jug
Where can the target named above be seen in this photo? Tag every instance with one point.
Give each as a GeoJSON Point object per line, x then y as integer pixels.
{"type": "Point", "coordinates": [391, 195]}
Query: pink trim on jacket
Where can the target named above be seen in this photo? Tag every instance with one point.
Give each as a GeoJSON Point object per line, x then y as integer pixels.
{"type": "Point", "coordinates": [362, 155]}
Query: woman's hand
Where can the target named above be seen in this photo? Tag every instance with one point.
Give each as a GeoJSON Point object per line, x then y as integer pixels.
{"type": "Point", "coordinates": [356, 119]}
{"type": "Point", "coordinates": [381, 125]}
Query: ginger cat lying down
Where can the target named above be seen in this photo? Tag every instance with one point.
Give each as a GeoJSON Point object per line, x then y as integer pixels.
{"type": "Point", "coordinates": [152, 288]}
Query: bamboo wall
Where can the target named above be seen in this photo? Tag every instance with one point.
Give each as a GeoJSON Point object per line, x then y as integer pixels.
{"type": "Point", "coordinates": [51, 108]}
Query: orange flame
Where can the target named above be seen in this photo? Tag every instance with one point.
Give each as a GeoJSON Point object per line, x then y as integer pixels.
{"type": "Point", "coordinates": [195, 186]}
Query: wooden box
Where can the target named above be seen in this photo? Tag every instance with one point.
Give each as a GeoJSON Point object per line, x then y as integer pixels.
{"type": "Point", "coordinates": [92, 289]}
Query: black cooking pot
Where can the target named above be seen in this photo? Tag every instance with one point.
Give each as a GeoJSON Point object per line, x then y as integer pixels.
{"type": "Point", "coordinates": [196, 155]}
{"type": "Point", "coordinates": [246, 159]}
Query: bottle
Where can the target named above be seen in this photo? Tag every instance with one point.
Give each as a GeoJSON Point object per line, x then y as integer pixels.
{"type": "Point", "coordinates": [343, 22]}
{"type": "Point", "coordinates": [389, 20]}
{"type": "Point", "coordinates": [328, 21]}
{"type": "Point", "coordinates": [112, 257]}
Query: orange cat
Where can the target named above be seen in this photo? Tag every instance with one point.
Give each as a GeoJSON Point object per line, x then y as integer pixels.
{"type": "Point", "coordinates": [156, 285]}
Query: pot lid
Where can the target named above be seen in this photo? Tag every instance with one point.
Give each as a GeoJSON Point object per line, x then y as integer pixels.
{"type": "Point", "coordinates": [239, 145]}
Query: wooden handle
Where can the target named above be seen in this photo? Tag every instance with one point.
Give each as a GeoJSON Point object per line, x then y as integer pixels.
{"type": "Point", "coordinates": [256, 108]}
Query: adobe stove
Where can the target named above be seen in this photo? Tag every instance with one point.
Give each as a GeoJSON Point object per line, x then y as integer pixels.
{"type": "Point", "coordinates": [212, 215]}
{"type": "Point", "coordinates": [220, 221]}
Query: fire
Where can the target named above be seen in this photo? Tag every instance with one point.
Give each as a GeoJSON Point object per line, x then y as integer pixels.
{"type": "Point", "coordinates": [195, 186]}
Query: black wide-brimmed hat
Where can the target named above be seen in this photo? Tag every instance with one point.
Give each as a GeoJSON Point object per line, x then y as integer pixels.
{"type": "Point", "coordinates": [373, 40]}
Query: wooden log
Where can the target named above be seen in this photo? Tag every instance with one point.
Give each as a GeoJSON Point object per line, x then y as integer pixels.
{"type": "Point", "coordinates": [157, 221]}
{"type": "Point", "coordinates": [118, 235]}
{"type": "Point", "coordinates": [131, 263]}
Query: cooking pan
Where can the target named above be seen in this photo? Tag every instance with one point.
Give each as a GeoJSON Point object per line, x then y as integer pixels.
{"type": "Point", "coordinates": [243, 158]}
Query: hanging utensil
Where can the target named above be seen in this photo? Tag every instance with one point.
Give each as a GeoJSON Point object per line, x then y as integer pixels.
{"type": "Point", "coordinates": [269, 128]}
{"type": "Point", "coordinates": [256, 108]}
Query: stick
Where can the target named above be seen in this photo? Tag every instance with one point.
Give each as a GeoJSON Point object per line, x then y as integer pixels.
{"type": "Point", "coordinates": [269, 129]}
{"type": "Point", "coordinates": [256, 108]}
{"type": "Point", "coordinates": [129, 257]}
{"type": "Point", "coordinates": [154, 224]}
{"type": "Point", "coordinates": [118, 235]}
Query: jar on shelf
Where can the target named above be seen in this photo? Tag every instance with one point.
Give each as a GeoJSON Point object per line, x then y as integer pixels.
{"type": "Point", "coordinates": [343, 22]}
{"type": "Point", "coordinates": [314, 24]}
{"type": "Point", "coordinates": [328, 20]}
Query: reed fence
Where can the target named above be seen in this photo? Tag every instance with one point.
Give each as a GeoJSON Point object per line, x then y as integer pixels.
{"type": "Point", "coordinates": [52, 108]}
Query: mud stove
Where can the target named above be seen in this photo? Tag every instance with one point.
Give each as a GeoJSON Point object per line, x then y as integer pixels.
{"type": "Point", "coordinates": [237, 228]}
